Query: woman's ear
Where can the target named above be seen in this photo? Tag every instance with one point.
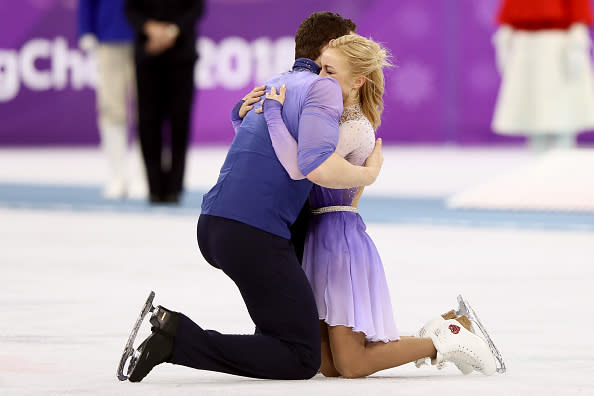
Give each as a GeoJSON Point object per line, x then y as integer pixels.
{"type": "Point", "coordinates": [359, 81]}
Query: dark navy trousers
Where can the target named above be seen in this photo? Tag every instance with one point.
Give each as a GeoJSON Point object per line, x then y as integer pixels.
{"type": "Point", "coordinates": [279, 300]}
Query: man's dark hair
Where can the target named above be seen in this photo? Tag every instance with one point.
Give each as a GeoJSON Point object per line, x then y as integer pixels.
{"type": "Point", "coordinates": [317, 30]}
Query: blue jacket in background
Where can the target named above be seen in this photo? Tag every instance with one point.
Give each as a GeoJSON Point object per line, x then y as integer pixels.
{"type": "Point", "coordinates": [106, 19]}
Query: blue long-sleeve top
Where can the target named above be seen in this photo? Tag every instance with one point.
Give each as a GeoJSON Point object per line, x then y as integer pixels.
{"type": "Point", "coordinates": [253, 187]}
{"type": "Point", "coordinates": [106, 19]}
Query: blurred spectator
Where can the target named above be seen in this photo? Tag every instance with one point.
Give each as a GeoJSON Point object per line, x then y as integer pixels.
{"type": "Point", "coordinates": [165, 53]}
{"type": "Point", "coordinates": [543, 53]}
{"type": "Point", "coordinates": [102, 26]}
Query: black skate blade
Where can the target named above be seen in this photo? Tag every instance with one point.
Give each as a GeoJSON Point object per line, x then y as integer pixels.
{"type": "Point", "coordinates": [464, 308]}
{"type": "Point", "coordinates": [129, 349]}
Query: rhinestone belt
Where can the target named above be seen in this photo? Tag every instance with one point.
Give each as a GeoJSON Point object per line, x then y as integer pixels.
{"type": "Point", "coordinates": [328, 209]}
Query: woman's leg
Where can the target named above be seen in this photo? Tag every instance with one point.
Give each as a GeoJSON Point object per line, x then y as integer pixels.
{"type": "Point", "coordinates": [354, 357]}
{"type": "Point", "coordinates": [327, 368]}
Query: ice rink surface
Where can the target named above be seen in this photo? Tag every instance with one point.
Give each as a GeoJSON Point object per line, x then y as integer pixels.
{"type": "Point", "coordinates": [74, 276]}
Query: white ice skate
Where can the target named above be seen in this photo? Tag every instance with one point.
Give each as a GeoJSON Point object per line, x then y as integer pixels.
{"type": "Point", "coordinates": [464, 308]}
{"type": "Point", "coordinates": [463, 348]}
{"type": "Point", "coordinates": [425, 331]}
{"type": "Point", "coordinates": [129, 351]}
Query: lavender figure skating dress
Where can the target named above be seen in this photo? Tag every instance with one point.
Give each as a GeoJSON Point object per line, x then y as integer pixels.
{"type": "Point", "coordinates": [340, 259]}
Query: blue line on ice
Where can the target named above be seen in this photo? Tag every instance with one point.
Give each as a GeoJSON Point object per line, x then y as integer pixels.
{"type": "Point", "coordinates": [392, 210]}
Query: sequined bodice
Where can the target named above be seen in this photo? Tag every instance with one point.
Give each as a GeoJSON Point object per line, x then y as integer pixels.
{"type": "Point", "coordinates": [355, 142]}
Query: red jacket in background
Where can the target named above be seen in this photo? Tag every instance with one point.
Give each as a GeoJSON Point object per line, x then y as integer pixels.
{"type": "Point", "coordinates": [544, 14]}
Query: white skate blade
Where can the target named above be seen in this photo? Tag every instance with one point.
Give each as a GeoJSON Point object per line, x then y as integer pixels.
{"type": "Point", "coordinates": [464, 308]}
{"type": "Point", "coordinates": [129, 349]}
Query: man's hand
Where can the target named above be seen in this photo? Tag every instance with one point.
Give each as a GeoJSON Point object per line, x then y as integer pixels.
{"type": "Point", "coordinates": [355, 201]}
{"type": "Point", "coordinates": [88, 42]}
{"type": "Point", "coordinates": [160, 36]}
{"type": "Point", "coordinates": [154, 28]}
{"type": "Point", "coordinates": [251, 98]}
{"type": "Point", "coordinates": [376, 159]}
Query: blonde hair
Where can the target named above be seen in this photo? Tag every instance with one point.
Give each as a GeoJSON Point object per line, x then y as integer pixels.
{"type": "Point", "coordinates": [366, 58]}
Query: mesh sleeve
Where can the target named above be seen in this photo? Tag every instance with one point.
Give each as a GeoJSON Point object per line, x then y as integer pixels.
{"type": "Point", "coordinates": [318, 125]}
{"type": "Point", "coordinates": [285, 146]}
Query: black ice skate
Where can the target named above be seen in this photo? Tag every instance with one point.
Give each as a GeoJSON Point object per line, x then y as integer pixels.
{"type": "Point", "coordinates": [129, 351]}
{"type": "Point", "coordinates": [156, 349]}
{"type": "Point", "coordinates": [464, 308]}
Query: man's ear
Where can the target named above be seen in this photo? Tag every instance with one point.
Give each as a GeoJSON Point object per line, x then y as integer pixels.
{"type": "Point", "coordinates": [318, 60]}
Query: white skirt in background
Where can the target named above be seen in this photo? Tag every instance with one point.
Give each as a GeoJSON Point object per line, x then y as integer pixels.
{"type": "Point", "coordinates": [541, 92]}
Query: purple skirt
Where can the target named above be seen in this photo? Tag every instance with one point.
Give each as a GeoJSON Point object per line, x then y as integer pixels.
{"type": "Point", "coordinates": [347, 276]}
